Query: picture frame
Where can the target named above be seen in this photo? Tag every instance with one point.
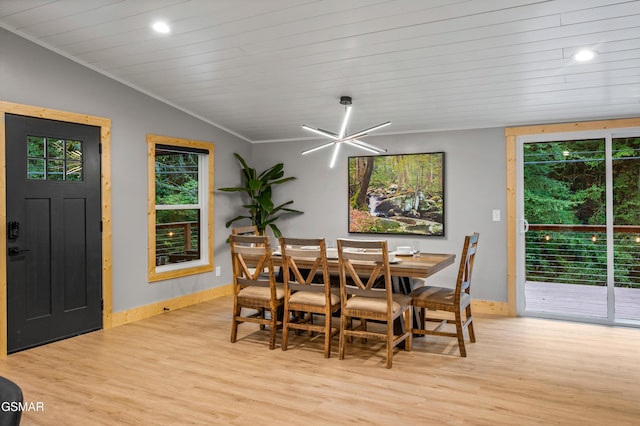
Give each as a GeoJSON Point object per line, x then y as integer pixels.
{"type": "Point", "coordinates": [399, 194]}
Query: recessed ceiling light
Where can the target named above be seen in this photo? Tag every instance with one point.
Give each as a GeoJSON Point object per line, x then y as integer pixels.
{"type": "Point", "coordinates": [161, 27]}
{"type": "Point", "coordinates": [584, 55]}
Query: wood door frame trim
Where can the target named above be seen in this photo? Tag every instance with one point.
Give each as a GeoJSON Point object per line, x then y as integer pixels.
{"type": "Point", "coordinates": [511, 135]}
{"type": "Point", "coordinates": [105, 183]}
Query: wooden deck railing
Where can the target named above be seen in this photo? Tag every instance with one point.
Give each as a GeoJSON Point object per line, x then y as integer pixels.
{"type": "Point", "coordinates": [177, 242]}
{"type": "Point", "coordinates": [584, 228]}
{"type": "Point", "coordinates": [577, 254]}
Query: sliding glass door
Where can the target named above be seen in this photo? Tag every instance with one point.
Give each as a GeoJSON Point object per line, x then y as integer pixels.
{"type": "Point", "coordinates": [580, 226]}
{"type": "Point", "coordinates": [626, 232]}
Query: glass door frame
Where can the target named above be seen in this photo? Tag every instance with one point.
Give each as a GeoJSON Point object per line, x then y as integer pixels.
{"type": "Point", "coordinates": [521, 225]}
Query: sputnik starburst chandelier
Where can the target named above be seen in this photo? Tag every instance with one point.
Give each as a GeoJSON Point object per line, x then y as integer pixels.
{"type": "Point", "coordinates": [340, 138]}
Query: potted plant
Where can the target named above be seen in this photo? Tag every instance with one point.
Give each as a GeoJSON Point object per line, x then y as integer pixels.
{"type": "Point", "coordinates": [261, 210]}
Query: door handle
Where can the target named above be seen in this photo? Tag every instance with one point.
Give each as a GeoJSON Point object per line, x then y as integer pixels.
{"type": "Point", "coordinates": [15, 251]}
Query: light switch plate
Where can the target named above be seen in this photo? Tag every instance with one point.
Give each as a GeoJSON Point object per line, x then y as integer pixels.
{"type": "Point", "coordinates": [218, 272]}
{"type": "Point", "coordinates": [496, 215]}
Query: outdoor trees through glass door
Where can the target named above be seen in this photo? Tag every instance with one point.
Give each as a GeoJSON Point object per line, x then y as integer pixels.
{"type": "Point", "coordinates": [626, 232]}
{"type": "Point", "coordinates": [582, 227]}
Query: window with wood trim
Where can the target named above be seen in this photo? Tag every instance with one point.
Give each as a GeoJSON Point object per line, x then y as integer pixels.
{"type": "Point", "coordinates": [180, 207]}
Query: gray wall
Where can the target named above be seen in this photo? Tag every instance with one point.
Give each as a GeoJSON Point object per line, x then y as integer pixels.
{"type": "Point", "coordinates": [475, 182]}
{"type": "Point", "coordinates": [475, 175]}
{"type": "Point", "coordinates": [32, 75]}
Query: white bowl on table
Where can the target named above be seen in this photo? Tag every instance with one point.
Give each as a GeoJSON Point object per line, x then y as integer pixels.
{"type": "Point", "coordinates": [404, 250]}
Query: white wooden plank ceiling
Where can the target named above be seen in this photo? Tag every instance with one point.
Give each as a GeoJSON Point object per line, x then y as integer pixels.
{"type": "Point", "coordinates": [261, 69]}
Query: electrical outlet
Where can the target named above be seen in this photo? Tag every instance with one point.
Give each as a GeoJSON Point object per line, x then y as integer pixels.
{"type": "Point", "coordinates": [496, 215]}
{"type": "Point", "coordinates": [218, 272]}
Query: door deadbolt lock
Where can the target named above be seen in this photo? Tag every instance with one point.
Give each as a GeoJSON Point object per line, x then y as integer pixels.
{"type": "Point", "coordinates": [13, 230]}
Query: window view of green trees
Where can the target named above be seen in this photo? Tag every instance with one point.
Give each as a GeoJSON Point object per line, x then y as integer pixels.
{"type": "Point", "coordinates": [54, 159]}
{"type": "Point", "coordinates": [176, 178]}
{"type": "Point", "coordinates": [565, 184]}
{"type": "Point", "coordinates": [177, 227]}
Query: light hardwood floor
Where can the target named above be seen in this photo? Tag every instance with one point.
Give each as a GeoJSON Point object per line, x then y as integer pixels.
{"type": "Point", "coordinates": [179, 368]}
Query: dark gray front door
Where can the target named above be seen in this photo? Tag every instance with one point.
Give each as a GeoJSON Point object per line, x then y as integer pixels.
{"type": "Point", "coordinates": [54, 287]}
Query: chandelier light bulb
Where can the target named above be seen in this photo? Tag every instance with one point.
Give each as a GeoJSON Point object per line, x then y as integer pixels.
{"type": "Point", "coordinates": [338, 139]}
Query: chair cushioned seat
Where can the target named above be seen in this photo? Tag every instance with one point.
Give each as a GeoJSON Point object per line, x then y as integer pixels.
{"type": "Point", "coordinates": [441, 295]}
{"type": "Point", "coordinates": [261, 293]}
{"type": "Point", "coordinates": [375, 304]}
{"type": "Point", "coordinates": [315, 298]}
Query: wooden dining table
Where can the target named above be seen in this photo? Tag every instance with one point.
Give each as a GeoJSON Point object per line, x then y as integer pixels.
{"type": "Point", "coordinates": [403, 268]}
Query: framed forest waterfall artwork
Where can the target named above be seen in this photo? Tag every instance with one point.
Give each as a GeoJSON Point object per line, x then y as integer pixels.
{"type": "Point", "coordinates": [397, 194]}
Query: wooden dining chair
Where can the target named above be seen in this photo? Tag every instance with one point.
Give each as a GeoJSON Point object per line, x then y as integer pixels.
{"type": "Point", "coordinates": [254, 285]}
{"type": "Point", "coordinates": [307, 289]}
{"type": "Point", "coordinates": [429, 299]}
{"type": "Point", "coordinates": [245, 230]}
{"type": "Point", "coordinates": [366, 294]}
